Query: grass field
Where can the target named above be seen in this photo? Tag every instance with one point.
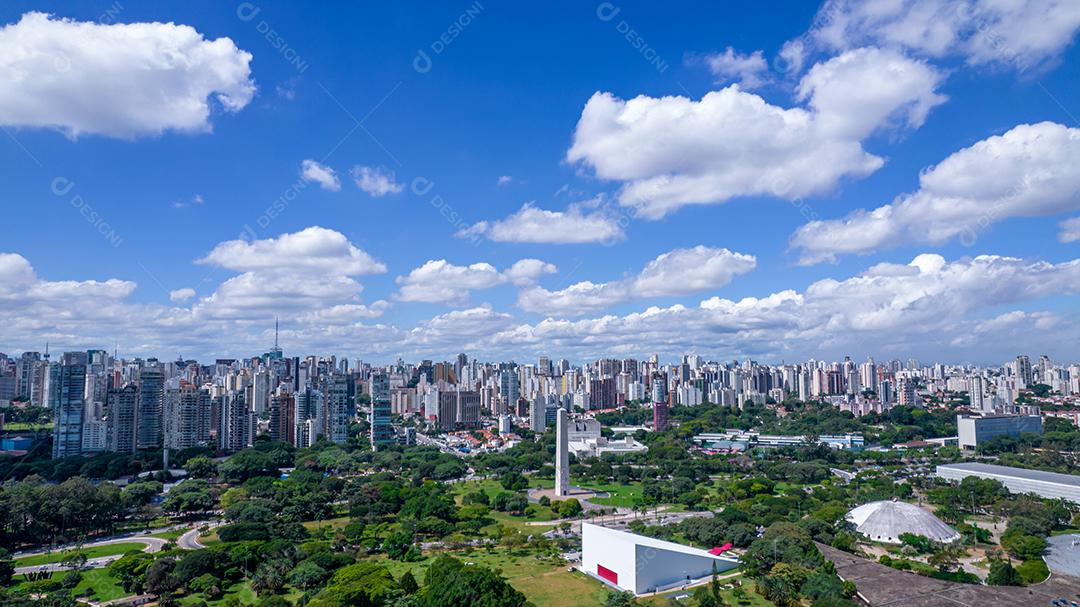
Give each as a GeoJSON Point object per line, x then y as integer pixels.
{"type": "Point", "coordinates": [96, 584]}
{"type": "Point", "coordinates": [101, 585]}
{"type": "Point", "coordinates": [751, 599]}
{"type": "Point", "coordinates": [170, 535]}
{"type": "Point", "coordinates": [91, 553]}
{"type": "Point", "coordinates": [242, 591]}
{"type": "Point", "coordinates": [543, 582]}
{"type": "Point", "coordinates": [620, 495]}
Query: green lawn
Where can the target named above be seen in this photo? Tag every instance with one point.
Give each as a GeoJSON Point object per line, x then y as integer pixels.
{"type": "Point", "coordinates": [242, 591]}
{"type": "Point", "coordinates": [96, 584]}
{"type": "Point", "coordinates": [544, 582]}
{"type": "Point", "coordinates": [91, 553]}
{"type": "Point", "coordinates": [170, 535]}
{"type": "Point", "coordinates": [620, 495]}
{"type": "Point", "coordinates": [752, 599]}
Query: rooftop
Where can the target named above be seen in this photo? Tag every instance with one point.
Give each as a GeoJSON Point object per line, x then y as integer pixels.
{"type": "Point", "coordinates": [1022, 473]}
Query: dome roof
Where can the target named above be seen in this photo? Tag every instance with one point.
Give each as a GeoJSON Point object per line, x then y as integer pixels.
{"type": "Point", "coordinates": [886, 521]}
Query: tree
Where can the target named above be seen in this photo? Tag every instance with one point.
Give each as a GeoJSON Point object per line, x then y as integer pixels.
{"type": "Point", "coordinates": [7, 568]}
{"type": "Point", "coordinates": [569, 508]}
{"type": "Point", "coordinates": [1022, 546]}
{"type": "Point", "coordinates": [1002, 573]}
{"type": "Point", "coordinates": [201, 467]}
{"type": "Point", "coordinates": [307, 575]}
{"type": "Point", "coordinates": [408, 583]}
{"type": "Point", "coordinates": [620, 599]}
{"type": "Point", "coordinates": [451, 584]}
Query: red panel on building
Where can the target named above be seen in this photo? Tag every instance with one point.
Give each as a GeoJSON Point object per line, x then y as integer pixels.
{"type": "Point", "coordinates": [607, 574]}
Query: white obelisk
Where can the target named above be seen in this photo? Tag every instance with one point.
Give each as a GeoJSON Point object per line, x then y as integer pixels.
{"type": "Point", "coordinates": [562, 457]}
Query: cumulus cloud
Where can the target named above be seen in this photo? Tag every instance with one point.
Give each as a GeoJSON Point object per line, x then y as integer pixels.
{"type": "Point", "coordinates": [439, 281]}
{"type": "Point", "coordinates": [119, 80]}
{"type": "Point", "coordinates": [926, 308]}
{"type": "Point", "coordinates": [320, 174]}
{"type": "Point", "coordinates": [1017, 35]}
{"type": "Point", "coordinates": [750, 71]}
{"type": "Point", "coordinates": [181, 295]}
{"type": "Point", "coordinates": [670, 152]}
{"type": "Point", "coordinates": [578, 224]}
{"type": "Point", "coordinates": [376, 181]}
{"type": "Point", "coordinates": [1029, 171]}
{"type": "Point", "coordinates": [504, 179]}
{"type": "Point", "coordinates": [311, 249]}
{"type": "Point", "coordinates": [1070, 230]}
{"type": "Point", "coordinates": [678, 272]}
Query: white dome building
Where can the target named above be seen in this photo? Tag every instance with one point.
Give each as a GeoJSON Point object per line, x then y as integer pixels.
{"type": "Point", "coordinates": [887, 521]}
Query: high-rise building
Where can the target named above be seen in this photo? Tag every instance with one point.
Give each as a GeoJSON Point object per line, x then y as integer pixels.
{"type": "Point", "coordinates": [283, 418]}
{"type": "Point", "coordinates": [660, 417]}
{"type": "Point", "coordinates": [339, 408]}
{"type": "Point", "coordinates": [235, 433]}
{"type": "Point", "coordinates": [66, 397]}
{"type": "Point", "coordinates": [538, 415]}
{"type": "Point", "coordinates": [148, 426]}
{"type": "Point", "coordinates": [380, 420]}
{"type": "Point", "coordinates": [602, 393]}
{"type": "Point", "coordinates": [186, 421]}
{"type": "Point", "coordinates": [1024, 371]}
{"type": "Point", "coordinates": [121, 404]}
{"type": "Point", "coordinates": [509, 386]}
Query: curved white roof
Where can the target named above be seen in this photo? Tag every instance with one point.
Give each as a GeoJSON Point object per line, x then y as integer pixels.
{"type": "Point", "coordinates": [886, 521]}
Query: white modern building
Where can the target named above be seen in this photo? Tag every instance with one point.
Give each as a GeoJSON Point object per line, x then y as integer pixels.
{"type": "Point", "coordinates": [1048, 485]}
{"type": "Point", "coordinates": [599, 446]}
{"type": "Point", "coordinates": [973, 430]}
{"type": "Point", "coordinates": [641, 564]}
{"type": "Point", "coordinates": [886, 521]}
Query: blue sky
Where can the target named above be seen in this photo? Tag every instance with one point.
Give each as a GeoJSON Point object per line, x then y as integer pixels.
{"type": "Point", "coordinates": [498, 119]}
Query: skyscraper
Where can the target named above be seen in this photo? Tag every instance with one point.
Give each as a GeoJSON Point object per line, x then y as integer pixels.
{"type": "Point", "coordinates": [339, 408]}
{"type": "Point", "coordinates": [187, 418]}
{"type": "Point", "coordinates": [148, 428]}
{"type": "Point", "coordinates": [66, 397]}
{"type": "Point", "coordinates": [235, 432]}
{"type": "Point", "coordinates": [283, 418]}
{"type": "Point", "coordinates": [379, 420]}
{"type": "Point", "coordinates": [121, 404]}
{"type": "Point", "coordinates": [660, 416]}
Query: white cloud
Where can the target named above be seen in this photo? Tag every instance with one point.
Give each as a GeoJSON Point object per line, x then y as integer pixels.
{"type": "Point", "coordinates": [311, 249]}
{"type": "Point", "coordinates": [749, 71]}
{"type": "Point", "coordinates": [1015, 34]}
{"type": "Point", "coordinates": [1070, 230]}
{"type": "Point", "coordinates": [376, 181]}
{"type": "Point", "coordinates": [320, 174]}
{"type": "Point", "coordinates": [673, 151]}
{"type": "Point", "coordinates": [504, 179]}
{"type": "Point", "coordinates": [122, 80]}
{"type": "Point", "coordinates": [1029, 171]}
{"type": "Point", "coordinates": [181, 295]}
{"type": "Point", "coordinates": [928, 308]}
{"type": "Point", "coordinates": [439, 281]}
{"type": "Point", "coordinates": [528, 271]}
{"type": "Point", "coordinates": [678, 272]}
{"type": "Point", "coordinates": [576, 225]}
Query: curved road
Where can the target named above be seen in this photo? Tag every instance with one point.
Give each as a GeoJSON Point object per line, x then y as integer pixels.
{"type": "Point", "coordinates": [188, 541]}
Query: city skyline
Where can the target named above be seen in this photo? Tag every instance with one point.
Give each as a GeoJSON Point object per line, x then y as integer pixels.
{"type": "Point", "coordinates": [736, 182]}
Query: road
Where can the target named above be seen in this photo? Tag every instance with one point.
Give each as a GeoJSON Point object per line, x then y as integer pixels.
{"type": "Point", "coordinates": [188, 541]}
